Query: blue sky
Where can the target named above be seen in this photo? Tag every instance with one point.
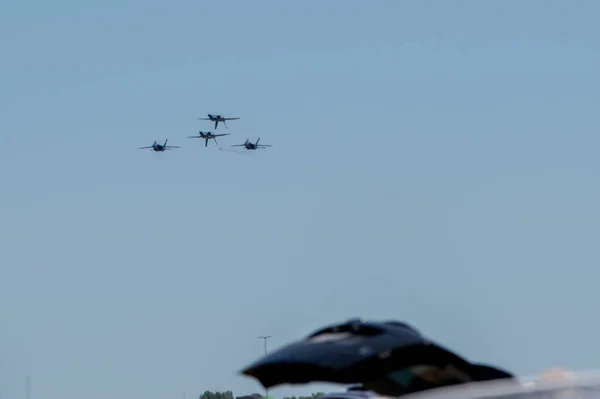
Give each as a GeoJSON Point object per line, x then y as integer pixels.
{"type": "Point", "coordinates": [434, 162]}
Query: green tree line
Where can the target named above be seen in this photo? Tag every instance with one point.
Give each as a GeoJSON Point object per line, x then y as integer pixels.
{"type": "Point", "coordinates": [229, 395]}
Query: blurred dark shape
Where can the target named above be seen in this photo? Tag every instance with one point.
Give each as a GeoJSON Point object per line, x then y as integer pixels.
{"type": "Point", "coordinates": [357, 388]}
{"type": "Point", "coordinates": [390, 358]}
{"type": "Point", "coordinates": [251, 396]}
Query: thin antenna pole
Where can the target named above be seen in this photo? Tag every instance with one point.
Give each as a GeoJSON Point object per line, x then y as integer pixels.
{"type": "Point", "coordinates": [265, 338]}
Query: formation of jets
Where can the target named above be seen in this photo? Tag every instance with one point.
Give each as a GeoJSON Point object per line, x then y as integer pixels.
{"type": "Point", "coordinates": [248, 145]}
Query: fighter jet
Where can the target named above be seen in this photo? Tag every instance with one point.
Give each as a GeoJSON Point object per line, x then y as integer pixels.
{"type": "Point", "coordinates": [252, 146]}
{"type": "Point", "coordinates": [208, 136]}
{"type": "Point", "coordinates": [159, 148]}
{"type": "Point", "coordinates": [218, 118]}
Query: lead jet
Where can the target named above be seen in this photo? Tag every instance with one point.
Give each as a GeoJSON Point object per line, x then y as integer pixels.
{"type": "Point", "coordinates": [218, 118]}
{"type": "Point", "coordinates": [208, 136]}
{"type": "Point", "coordinates": [159, 148]}
{"type": "Point", "coordinates": [252, 146]}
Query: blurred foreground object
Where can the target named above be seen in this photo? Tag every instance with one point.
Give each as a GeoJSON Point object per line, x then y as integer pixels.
{"type": "Point", "coordinates": [551, 385]}
{"type": "Point", "coordinates": [556, 374]}
{"type": "Point", "coordinates": [355, 392]}
{"type": "Point", "coordinates": [551, 377]}
{"type": "Point", "coordinates": [251, 396]}
{"type": "Point", "coordinates": [389, 358]}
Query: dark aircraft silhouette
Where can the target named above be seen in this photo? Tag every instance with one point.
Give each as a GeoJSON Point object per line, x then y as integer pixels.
{"type": "Point", "coordinates": [157, 147]}
{"type": "Point", "coordinates": [252, 146]}
{"type": "Point", "coordinates": [218, 118]}
{"type": "Point", "coordinates": [208, 136]}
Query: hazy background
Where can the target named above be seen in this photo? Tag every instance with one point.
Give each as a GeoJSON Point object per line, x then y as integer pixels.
{"type": "Point", "coordinates": [434, 162]}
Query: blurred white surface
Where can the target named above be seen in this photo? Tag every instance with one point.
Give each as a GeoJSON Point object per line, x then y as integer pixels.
{"type": "Point", "coordinates": [550, 384]}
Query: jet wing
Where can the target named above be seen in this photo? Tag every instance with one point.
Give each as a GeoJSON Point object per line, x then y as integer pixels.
{"type": "Point", "coordinates": [143, 148]}
{"type": "Point", "coordinates": [222, 134]}
{"type": "Point", "coordinates": [230, 119]}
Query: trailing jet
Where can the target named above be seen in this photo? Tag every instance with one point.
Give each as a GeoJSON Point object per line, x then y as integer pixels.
{"type": "Point", "coordinates": [157, 147]}
{"type": "Point", "coordinates": [208, 136]}
{"type": "Point", "coordinates": [218, 118]}
{"type": "Point", "coordinates": [252, 146]}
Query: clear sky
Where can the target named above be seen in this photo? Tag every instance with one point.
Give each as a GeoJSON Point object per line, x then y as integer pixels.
{"type": "Point", "coordinates": [434, 162]}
